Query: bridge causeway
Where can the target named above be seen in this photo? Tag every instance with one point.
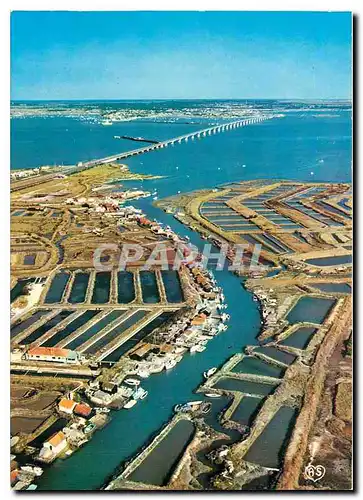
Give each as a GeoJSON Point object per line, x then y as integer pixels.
{"type": "Point", "coordinates": [176, 140]}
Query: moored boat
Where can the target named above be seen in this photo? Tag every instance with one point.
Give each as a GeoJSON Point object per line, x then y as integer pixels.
{"type": "Point", "coordinates": [140, 393]}
{"type": "Point", "coordinates": [132, 381]}
{"type": "Point", "coordinates": [210, 372]}
{"type": "Point", "coordinates": [206, 407]}
{"type": "Point", "coordinates": [130, 404]}
{"type": "Point", "coordinates": [170, 364]}
{"type": "Point", "coordinates": [212, 395]}
{"type": "Point", "coordinates": [32, 469]}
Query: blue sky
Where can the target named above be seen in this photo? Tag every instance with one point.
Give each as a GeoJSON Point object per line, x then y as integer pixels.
{"type": "Point", "coordinates": [145, 55]}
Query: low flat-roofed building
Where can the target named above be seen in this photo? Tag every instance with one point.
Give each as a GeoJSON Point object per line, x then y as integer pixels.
{"type": "Point", "coordinates": [53, 354]}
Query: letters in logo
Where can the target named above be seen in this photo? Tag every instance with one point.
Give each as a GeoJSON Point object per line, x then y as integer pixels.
{"type": "Point", "coordinates": [314, 472]}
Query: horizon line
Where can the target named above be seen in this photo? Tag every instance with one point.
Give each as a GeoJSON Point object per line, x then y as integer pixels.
{"type": "Point", "coordinates": [192, 99]}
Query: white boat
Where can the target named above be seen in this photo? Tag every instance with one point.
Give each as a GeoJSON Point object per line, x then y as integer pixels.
{"type": "Point", "coordinates": [212, 395]}
{"type": "Point", "coordinates": [130, 404]}
{"type": "Point", "coordinates": [38, 471]}
{"type": "Point", "coordinates": [179, 350]}
{"type": "Point", "coordinates": [106, 122]}
{"type": "Point", "coordinates": [170, 364]}
{"type": "Point", "coordinates": [132, 381]}
{"type": "Point", "coordinates": [200, 348]}
{"type": "Point", "coordinates": [140, 393]}
{"type": "Point", "coordinates": [143, 373]}
{"type": "Point", "coordinates": [194, 404]}
{"type": "Point", "coordinates": [225, 317]}
{"type": "Point", "coordinates": [156, 368]}
{"type": "Point", "coordinates": [144, 394]}
{"type": "Point", "coordinates": [102, 410]}
{"type": "Point", "coordinates": [210, 372]}
{"type": "Point", "coordinates": [194, 348]}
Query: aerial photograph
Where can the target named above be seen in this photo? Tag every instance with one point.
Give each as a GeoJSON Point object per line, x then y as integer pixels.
{"type": "Point", "coordinates": [181, 251]}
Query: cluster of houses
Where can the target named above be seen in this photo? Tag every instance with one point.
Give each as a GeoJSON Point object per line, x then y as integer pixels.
{"type": "Point", "coordinates": [106, 204]}
{"type": "Point", "coordinates": [83, 422]}
{"type": "Point", "coordinates": [22, 174]}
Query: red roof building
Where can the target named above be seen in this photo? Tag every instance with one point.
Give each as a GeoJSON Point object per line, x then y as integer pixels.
{"type": "Point", "coordinates": [82, 409]}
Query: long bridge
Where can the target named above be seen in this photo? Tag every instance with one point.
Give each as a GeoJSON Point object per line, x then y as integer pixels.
{"type": "Point", "coordinates": [176, 140]}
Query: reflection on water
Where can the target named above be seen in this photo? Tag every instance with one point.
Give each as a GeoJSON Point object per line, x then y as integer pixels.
{"type": "Point", "coordinates": [313, 309]}
{"type": "Point", "coordinates": [69, 329]}
{"type": "Point", "coordinates": [79, 288]}
{"type": "Point", "coordinates": [245, 386]}
{"type": "Point", "coordinates": [246, 411]}
{"type": "Point", "coordinates": [330, 261]}
{"type": "Point", "coordinates": [333, 287]}
{"type": "Point", "coordinates": [125, 287]}
{"type": "Point", "coordinates": [20, 326]}
{"type": "Point", "coordinates": [172, 286]}
{"type": "Point", "coordinates": [57, 288]}
{"type": "Point", "coordinates": [101, 290]}
{"type": "Point", "coordinates": [149, 286]}
{"type": "Point", "coordinates": [250, 364]}
{"type": "Point", "coordinates": [299, 338]}
{"type": "Point", "coordinates": [41, 330]}
{"type": "Point", "coordinates": [158, 466]}
{"type": "Point", "coordinates": [268, 448]}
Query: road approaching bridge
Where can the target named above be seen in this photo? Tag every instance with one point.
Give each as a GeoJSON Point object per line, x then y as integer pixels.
{"type": "Point", "coordinates": [176, 140]}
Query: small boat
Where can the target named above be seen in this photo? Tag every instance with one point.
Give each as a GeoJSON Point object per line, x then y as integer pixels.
{"type": "Point", "coordinates": [194, 348]}
{"type": "Point", "coordinates": [179, 350]}
{"type": "Point", "coordinates": [206, 407]}
{"type": "Point", "coordinates": [38, 471]}
{"type": "Point", "coordinates": [156, 368]}
{"type": "Point", "coordinates": [130, 404]}
{"type": "Point", "coordinates": [102, 410]}
{"type": "Point", "coordinates": [225, 317]}
{"type": "Point", "coordinates": [194, 404]}
{"type": "Point", "coordinates": [32, 487]}
{"type": "Point", "coordinates": [132, 381]}
{"type": "Point", "coordinates": [212, 395]}
{"type": "Point", "coordinates": [106, 122]}
{"type": "Point", "coordinates": [170, 364]}
{"type": "Point", "coordinates": [143, 373]}
{"type": "Point", "coordinates": [140, 393]}
{"type": "Point", "coordinates": [210, 372]}
{"type": "Point", "coordinates": [200, 348]}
